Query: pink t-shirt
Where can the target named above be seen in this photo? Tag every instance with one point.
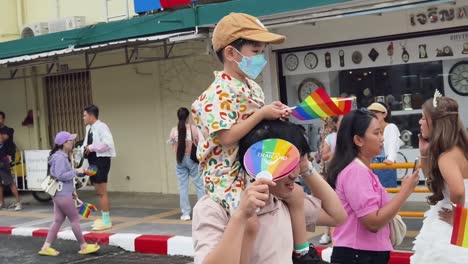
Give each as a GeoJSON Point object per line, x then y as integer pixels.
{"type": "Point", "coordinates": [361, 193]}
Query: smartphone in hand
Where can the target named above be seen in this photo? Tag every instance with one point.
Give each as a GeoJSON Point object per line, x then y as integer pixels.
{"type": "Point", "coordinates": [416, 165]}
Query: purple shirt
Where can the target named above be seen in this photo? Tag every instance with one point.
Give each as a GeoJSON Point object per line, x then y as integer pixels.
{"type": "Point", "coordinates": [361, 193]}
{"type": "Point", "coordinates": [61, 169]}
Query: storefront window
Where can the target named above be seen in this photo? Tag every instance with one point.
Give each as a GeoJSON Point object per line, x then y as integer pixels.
{"type": "Point", "coordinates": [402, 73]}
{"type": "Point", "coordinates": [401, 87]}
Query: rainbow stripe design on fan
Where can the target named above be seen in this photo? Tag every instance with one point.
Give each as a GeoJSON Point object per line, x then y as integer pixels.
{"type": "Point", "coordinates": [319, 104]}
{"type": "Point", "coordinates": [460, 227]}
{"type": "Point", "coordinates": [86, 209]}
{"type": "Point", "coordinates": [276, 156]}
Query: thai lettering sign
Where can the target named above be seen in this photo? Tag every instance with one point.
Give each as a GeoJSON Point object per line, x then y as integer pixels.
{"type": "Point", "coordinates": [439, 15]}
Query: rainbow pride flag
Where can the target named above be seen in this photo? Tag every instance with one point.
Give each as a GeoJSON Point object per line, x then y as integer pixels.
{"type": "Point", "coordinates": [86, 208]}
{"type": "Point", "coordinates": [460, 227]}
{"type": "Point", "coordinates": [319, 104]}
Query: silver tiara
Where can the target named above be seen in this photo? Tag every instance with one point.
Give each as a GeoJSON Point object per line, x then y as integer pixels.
{"type": "Point", "coordinates": [437, 94]}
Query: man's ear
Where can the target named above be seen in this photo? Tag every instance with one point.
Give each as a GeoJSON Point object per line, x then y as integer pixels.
{"type": "Point", "coordinates": [358, 141]}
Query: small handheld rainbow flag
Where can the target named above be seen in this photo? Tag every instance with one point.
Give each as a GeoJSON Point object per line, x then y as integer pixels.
{"type": "Point", "coordinates": [91, 170]}
{"type": "Point", "coordinates": [460, 227]}
{"type": "Point", "coordinates": [86, 208]}
{"type": "Point", "coordinates": [319, 104]}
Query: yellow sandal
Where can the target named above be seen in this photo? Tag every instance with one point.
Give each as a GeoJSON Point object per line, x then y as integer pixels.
{"type": "Point", "coordinates": [49, 252]}
{"type": "Point", "coordinates": [90, 248]}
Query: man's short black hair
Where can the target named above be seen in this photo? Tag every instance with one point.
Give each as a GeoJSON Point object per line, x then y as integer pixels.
{"type": "Point", "coordinates": [92, 110]}
{"type": "Point", "coordinates": [237, 44]}
{"type": "Point", "coordinates": [2, 114]}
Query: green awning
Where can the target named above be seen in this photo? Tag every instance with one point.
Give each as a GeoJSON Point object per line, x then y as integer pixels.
{"type": "Point", "coordinates": [160, 23]}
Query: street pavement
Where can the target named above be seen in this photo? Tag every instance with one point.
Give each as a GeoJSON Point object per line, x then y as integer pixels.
{"type": "Point", "coordinates": [149, 213]}
{"type": "Point", "coordinates": [23, 250]}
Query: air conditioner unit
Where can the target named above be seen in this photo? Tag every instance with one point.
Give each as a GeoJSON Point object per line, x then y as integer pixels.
{"type": "Point", "coordinates": [66, 23]}
{"type": "Point", "coordinates": [35, 29]}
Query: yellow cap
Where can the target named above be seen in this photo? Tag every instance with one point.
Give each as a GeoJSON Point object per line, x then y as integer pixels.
{"type": "Point", "coordinates": [377, 107]}
{"type": "Point", "coordinates": [238, 25]}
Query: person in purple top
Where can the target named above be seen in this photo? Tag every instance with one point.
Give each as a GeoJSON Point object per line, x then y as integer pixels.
{"type": "Point", "coordinates": [64, 205]}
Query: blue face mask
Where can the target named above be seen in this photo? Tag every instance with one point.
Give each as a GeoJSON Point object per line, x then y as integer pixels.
{"type": "Point", "coordinates": [252, 66]}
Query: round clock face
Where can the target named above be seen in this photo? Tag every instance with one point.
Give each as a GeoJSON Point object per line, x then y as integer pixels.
{"type": "Point", "coordinates": [447, 50]}
{"type": "Point", "coordinates": [366, 92]}
{"type": "Point", "coordinates": [356, 57]}
{"type": "Point", "coordinates": [311, 60]}
{"type": "Point", "coordinates": [291, 61]}
{"type": "Point", "coordinates": [406, 99]}
{"type": "Point", "coordinates": [458, 78]}
{"type": "Point", "coordinates": [307, 86]}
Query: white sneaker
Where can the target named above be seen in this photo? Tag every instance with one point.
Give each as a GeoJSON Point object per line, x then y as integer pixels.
{"type": "Point", "coordinates": [185, 218]}
{"type": "Point", "coordinates": [18, 207]}
{"type": "Point", "coordinates": [100, 226]}
{"type": "Point", "coordinates": [325, 239]}
{"type": "Point", "coordinates": [97, 222]}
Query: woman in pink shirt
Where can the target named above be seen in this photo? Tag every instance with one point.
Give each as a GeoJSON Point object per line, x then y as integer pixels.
{"type": "Point", "coordinates": [365, 236]}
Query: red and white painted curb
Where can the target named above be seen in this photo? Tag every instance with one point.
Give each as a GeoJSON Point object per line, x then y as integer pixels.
{"type": "Point", "coordinates": [154, 244]}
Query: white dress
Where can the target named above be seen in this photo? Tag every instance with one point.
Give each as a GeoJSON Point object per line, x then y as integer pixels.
{"type": "Point", "coordinates": [432, 245]}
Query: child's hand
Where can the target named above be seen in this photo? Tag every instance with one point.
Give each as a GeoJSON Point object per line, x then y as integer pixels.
{"type": "Point", "coordinates": [80, 170]}
{"type": "Point", "coordinates": [275, 110]}
{"type": "Point", "coordinates": [287, 110]}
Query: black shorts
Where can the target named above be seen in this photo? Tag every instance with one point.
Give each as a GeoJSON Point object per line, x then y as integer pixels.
{"type": "Point", "coordinates": [344, 255]}
{"type": "Point", "coordinates": [103, 165]}
{"type": "Point", "coordinates": [6, 179]}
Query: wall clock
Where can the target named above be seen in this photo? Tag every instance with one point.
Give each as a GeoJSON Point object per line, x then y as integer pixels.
{"type": "Point", "coordinates": [306, 87]}
{"type": "Point", "coordinates": [458, 78]}
{"type": "Point", "coordinates": [341, 54]}
{"type": "Point", "coordinates": [356, 57]}
{"type": "Point", "coordinates": [311, 60]}
{"type": "Point", "coordinates": [291, 62]}
{"type": "Point", "coordinates": [328, 62]}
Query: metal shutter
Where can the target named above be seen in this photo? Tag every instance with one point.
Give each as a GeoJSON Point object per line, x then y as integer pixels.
{"type": "Point", "coordinates": [67, 95]}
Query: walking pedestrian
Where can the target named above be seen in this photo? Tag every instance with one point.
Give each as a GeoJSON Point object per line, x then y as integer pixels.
{"type": "Point", "coordinates": [64, 204]}
{"type": "Point", "coordinates": [7, 154]}
{"type": "Point", "coordinates": [99, 148]}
